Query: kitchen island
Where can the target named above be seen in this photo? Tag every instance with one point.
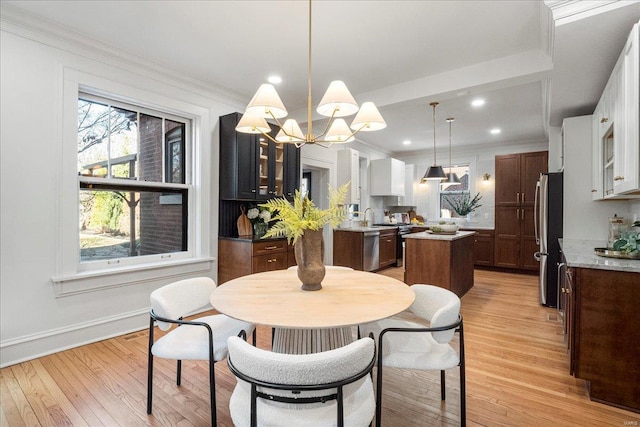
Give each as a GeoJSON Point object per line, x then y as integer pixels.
{"type": "Point", "coordinates": [444, 260]}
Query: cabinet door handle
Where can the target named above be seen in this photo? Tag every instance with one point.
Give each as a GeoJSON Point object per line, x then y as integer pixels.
{"type": "Point", "coordinates": [517, 197]}
{"type": "Point", "coordinates": [253, 190]}
{"type": "Point", "coordinates": [272, 260]}
{"type": "Point", "coordinates": [517, 213]}
{"type": "Point", "coordinates": [270, 248]}
{"type": "Point", "coordinates": [388, 241]}
{"type": "Point", "coordinates": [604, 120]}
{"type": "Point", "coordinates": [522, 214]}
{"type": "Point", "coordinates": [522, 198]}
{"type": "Point", "coordinates": [594, 190]}
{"type": "Point", "coordinates": [618, 178]}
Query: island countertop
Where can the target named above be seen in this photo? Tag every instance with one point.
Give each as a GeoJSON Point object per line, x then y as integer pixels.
{"type": "Point", "coordinates": [581, 254]}
{"type": "Point", "coordinates": [434, 236]}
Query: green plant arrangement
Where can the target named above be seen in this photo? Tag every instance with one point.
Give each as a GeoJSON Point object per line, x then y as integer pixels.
{"type": "Point", "coordinates": [464, 204]}
{"type": "Point", "coordinates": [292, 219]}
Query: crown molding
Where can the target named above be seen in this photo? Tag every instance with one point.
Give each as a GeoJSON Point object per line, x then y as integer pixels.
{"type": "Point", "coordinates": [567, 11]}
{"type": "Point", "coordinates": [17, 21]}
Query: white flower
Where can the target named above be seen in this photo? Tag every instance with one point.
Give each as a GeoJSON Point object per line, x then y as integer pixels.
{"type": "Point", "coordinates": [265, 215]}
{"type": "Point", "coordinates": [253, 213]}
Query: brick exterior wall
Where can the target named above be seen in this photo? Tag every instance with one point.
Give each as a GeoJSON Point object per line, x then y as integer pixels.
{"type": "Point", "coordinates": [160, 224]}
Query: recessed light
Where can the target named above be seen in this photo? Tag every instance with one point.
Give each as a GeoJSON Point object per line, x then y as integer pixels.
{"type": "Point", "coordinates": [479, 102]}
{"type": "Point", "coordinates": [406, 142]}
{"type": "Point", "coordinates": [495, 131]}
{"type": "Point", "coordinates": [274, 79]}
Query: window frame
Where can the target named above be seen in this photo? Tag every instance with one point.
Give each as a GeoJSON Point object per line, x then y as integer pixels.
{"type": "Point", "coordinates": [70, 276]}
{"type": "Point", "coordinates": [442, 192]}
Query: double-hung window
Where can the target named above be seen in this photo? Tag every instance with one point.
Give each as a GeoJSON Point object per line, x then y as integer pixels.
{"type": "Point", "coordinates": [133, 182]}
{"type": "Point", "coordinates": [451, 192]}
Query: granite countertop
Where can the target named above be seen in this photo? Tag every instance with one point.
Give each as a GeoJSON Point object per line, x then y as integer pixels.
{"type": "Point", "coordinates": [364, 229]}
{"type": "Point", "coordinates": [425, 235]}
{"type": "Point", "coordinates": [580, 253]}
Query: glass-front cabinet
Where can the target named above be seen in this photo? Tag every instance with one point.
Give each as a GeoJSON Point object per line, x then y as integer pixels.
{"type": "Point", "coordinates": [252, 167]}
{"type": "Point", "coordinates": [616, 127]}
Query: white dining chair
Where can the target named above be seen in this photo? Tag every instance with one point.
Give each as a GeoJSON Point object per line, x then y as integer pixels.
{"type": "Point", "coordinates": [310, 390]}
{"type": "Point", "coordinates": [408, 345]}
{"type": "Point", "coordinates": [203, 338]}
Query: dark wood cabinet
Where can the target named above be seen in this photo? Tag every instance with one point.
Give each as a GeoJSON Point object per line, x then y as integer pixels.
{"type": "Point", "coordinates": [388, 246]}
{"type": "Point", "coordinates": [483, 248]}
{"type": "Point", "coordinates": [240, 257]}
{"type": "Point", "coordinates": [516, 179]}
{"type": "Point", "coordinates": [349, 251]}
{"type": "Point", "coordinates": [604, 333]}
{"type": "Point", "coordinates": [252, 167]}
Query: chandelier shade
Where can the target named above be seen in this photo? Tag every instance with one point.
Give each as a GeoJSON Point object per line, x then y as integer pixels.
{"type": "Point", "coordinates": [368, 118]}
{"type": "Point", "coordinates": [290, 132]}
{"type": "Point", "coordinates": [266, 103]}
{"type": "Point", "coordinates": [339, 132]}
{"type": "Point", "coordinates": [336, 103]}
{"type": "Point", "coordinates": [251, 123]}
{"type": "Point", "coordinates": [434, 172]}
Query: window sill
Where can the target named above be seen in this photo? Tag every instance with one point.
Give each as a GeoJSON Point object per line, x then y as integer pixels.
{"type": "Point", "coordinates": [137, 275]}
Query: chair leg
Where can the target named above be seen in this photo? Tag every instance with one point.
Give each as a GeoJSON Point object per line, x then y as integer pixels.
{"type": "Point", "coordinates": [379, 386]}
{"type": "Point", "coordinates": [463, 392]}
{"type": "Point", "coordinates": [179, 373]}
{"type": "Point", "coordinates": [212, 391]}
{"type": "Point", "coordinates": [150, 369]}
{"type": "Point", "coordinates": [442, 386]}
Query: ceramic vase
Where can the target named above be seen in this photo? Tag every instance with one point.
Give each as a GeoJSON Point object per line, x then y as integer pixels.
{"type": "Point", "coordinates": [309, 251]}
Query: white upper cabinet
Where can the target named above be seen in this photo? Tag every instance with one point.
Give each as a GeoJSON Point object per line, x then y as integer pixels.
{"type": "Point", "coordinates": [349, 171]}
{"type": "Point", "coordinates": [386, 177]}
{"type": "Point", "coordinates": [616, 129]}
{"type": "Point", "coordinates": [627, 166]}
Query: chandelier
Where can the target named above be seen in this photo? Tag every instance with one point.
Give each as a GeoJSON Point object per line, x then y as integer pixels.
{"type": "Point", "coordinates": [434, 172]}
{"type": "Point", "coordinates": [336, 103]}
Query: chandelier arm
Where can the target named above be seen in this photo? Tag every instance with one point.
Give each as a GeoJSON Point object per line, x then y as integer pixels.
{"type": "Point", "coordinates": [326, 128]}
{"type": "Point", "coordinates": [270, 137]}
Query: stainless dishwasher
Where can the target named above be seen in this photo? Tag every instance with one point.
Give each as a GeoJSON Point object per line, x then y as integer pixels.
{"type": "Point", "coordinates": [371, 250]}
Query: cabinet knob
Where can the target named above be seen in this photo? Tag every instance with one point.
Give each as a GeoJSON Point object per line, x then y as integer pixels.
{"type": "Point", "coordinates": [618, 178]}
{"type": "Point", "coordinates": [253, 190]}
{"type": "Point", "coordinates": [604, 120]}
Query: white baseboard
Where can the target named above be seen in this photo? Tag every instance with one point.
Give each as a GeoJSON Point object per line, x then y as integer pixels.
{"type": "Point", "coordinates": [29, 347]}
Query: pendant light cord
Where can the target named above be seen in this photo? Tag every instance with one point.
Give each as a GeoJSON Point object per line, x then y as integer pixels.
{"type": "Point", "coordinates": [434, 104]}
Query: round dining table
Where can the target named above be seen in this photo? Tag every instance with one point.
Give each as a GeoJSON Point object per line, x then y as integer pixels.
{"type": "Point", "coordinates": [311, 321]}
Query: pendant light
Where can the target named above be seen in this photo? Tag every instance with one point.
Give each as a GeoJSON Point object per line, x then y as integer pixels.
{"type": "Point", "coordinates": [435, 172]}
{"type": "Point", "coordinates": [452, 177]}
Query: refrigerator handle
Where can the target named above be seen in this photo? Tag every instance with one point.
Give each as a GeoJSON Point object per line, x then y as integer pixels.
{"type": "Point", "coordinates": [536, 214]}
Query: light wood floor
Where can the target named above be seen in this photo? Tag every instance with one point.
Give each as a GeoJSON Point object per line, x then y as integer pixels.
{"type": "Point", "coordinates": [517, 375]}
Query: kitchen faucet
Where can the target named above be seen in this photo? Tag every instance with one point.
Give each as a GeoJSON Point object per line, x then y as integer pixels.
{"type": "Point", "coordinates": [364, 216]}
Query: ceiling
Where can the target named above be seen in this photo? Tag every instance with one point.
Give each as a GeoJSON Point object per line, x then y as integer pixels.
{"type": "Point", "coordinates": [400, 54]}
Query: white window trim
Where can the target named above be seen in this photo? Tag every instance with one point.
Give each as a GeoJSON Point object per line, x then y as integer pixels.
{"type": "Point", "coordinates": [70, 277]}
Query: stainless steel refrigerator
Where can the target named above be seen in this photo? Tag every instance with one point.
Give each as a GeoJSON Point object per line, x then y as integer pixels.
{"type": "Point", "coordinates": [548, 229]}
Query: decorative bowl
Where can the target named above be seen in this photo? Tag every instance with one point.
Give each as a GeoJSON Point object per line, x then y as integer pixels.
{"type": "Point", "coordinates": [448, 228]}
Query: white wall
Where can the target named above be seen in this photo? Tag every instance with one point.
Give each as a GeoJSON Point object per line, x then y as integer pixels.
{"type": "Point", "coordinates": [34, 321]}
